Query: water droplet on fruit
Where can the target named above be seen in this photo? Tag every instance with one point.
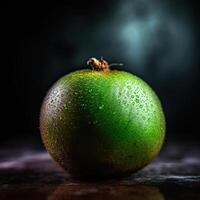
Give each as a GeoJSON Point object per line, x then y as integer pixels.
{"type": "Point", "coordinates": [100, 107]}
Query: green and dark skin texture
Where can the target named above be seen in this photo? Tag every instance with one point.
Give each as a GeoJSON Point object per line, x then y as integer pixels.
{"type": "Point", "coordinates": [101, 123]}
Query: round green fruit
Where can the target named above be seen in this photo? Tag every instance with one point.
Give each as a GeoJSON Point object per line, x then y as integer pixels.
{"type": "Point", "coordinates": [102, 123]}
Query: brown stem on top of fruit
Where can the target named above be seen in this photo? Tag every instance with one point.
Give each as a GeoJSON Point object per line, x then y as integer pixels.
{"type": "Point", "coordinates": [100, 64]}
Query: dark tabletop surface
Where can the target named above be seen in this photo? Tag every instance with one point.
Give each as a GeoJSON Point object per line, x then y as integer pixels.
{"type": "Point", "coordinates": [30, 174]}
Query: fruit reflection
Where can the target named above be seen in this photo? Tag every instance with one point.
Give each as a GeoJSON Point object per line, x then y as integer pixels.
{"type": "Point", "coordinates": [104, 192]}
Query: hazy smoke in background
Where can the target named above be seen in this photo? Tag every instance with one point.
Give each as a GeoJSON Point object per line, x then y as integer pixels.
{"type": "Point", "coordinates": [153, 37]}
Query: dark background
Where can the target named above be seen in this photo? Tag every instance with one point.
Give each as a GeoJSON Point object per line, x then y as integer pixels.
{"type": "Point", "coordinates": [155, 39]}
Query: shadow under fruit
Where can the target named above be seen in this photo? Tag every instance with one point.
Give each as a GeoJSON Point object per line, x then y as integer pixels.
{"type": "Point", "coordinates": [102, 123]}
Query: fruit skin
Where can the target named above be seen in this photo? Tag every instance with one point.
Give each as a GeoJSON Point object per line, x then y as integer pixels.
{"type": "Point", "coordinates": [102, 124]}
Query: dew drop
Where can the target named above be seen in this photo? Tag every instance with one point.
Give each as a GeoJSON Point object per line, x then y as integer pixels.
{"type": "Point", "coordinates": [65, 106]}
{"type": "Point", "coordinates": [100, 107]}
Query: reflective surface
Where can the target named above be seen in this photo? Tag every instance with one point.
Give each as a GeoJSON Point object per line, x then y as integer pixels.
{"type": "Point", "coordinates": [175, 174]}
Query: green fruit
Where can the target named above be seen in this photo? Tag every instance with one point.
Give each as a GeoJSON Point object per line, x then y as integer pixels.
{"type": "Point", "coordinates": [101, 122]}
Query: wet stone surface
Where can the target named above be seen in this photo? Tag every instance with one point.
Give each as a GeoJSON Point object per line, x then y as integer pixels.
{"type": "Point", "coordinates": [30, 174]}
